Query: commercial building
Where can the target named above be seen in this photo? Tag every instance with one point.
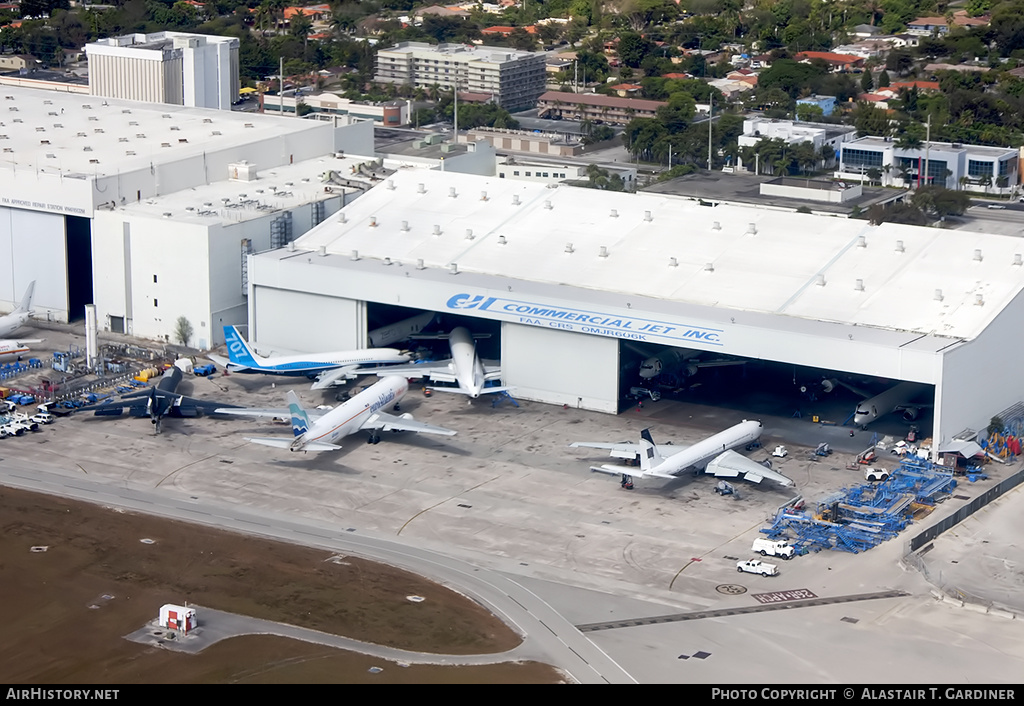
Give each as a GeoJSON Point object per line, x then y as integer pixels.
{"type": "Point", "coordinates": [145, 209]}
{"type": "Point", "coordinates": [386, 114]}
{"type": "Point", "coordinates": [590, 273]}
{"type": "Point", "coordinates": [515, 78]}
{"type": "Point", "coordinates": [818, 134]}
{"type": "Point", "coordinates": [952, 165]}
{"type": "Point", "coordinates": [595, 107]}
{"type": "Point", "coordinates": [195, 70]}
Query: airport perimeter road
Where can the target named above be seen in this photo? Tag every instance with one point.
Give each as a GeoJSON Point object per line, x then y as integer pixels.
{"type": "Point", "coordinates": [550, 638]}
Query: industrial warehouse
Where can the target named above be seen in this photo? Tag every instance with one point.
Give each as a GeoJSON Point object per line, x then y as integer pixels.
{"type": "Point", "coordinates": [573, 276]}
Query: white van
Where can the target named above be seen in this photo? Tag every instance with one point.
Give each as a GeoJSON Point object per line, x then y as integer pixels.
{"type": "Point", "coordinates": [773, 547]}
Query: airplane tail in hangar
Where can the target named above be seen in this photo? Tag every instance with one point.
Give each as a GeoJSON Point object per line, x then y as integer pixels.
{"type": "Point", "coordinates": [26, 301]}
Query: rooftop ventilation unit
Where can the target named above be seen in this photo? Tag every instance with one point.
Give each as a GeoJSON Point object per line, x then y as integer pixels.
{"type": "Point", "coordinates": [291, 246]}
{"type": "Point", "coordinates": [167, 214]}
{"type": "Point", "coordinates": [862, 242]}
{"type": "Point", "coordinates": [342, 218]}
{"type": "Point", "coordinates": [1017, 259]}
{"type": "Point", "coordinates": [977, 255]}
{"type": "Point", "coordinates": [421, 189]}
{"type": "Point", "coordinates": [469, 234]}
{"type": "Point", "coordinates": [979, 300]}
{"type": "Point", "coordinates": [859, 285]}
{"type": "Point", "coordinates": [420, 265]}
{"type": "Point", "coordinates": [614, 213]}
{"type": "Point", "coordinates": [241, 171]}
{"type": "Point", "coordinates": [453, 269]}
{"type": "Point", "coordinates": [672, 262]}
{"type": "Point", "coordinates": [820, 280]}
{"type": "Point", "coordinates": [483, 195]}
{"type": "Point", "coordinates": [452, 193]}
{"type": "Point", "coordinates": [502, 240]}
{"type": "Point", "coordinates": [938, 295]}
{"type": "Point", "coordinates": [899, 246]}
{"type": "Point", "coordinates": [547, 205]}
{"type": "Point", "coordinates": [648, 217]}
{"type": "Point", "coordinates": [355, 255]}
{"type": "Point", "coordinates": [709, 267]}
{"type": "Point", "coordinates": [569, 248]}
{"type": "Point", "coordinates": [405, 226]}
{"type": "Point", "coordinates": [716, 226]}
{"type": "Point", "coordinates": [515, 199]}
{"type": "Point", "coordinates": [373, 221]}
{"type": "Point", "coordinates": [391, 185]}
{"type": "Point", "coordinates": [752, 229]}
{"type": "Point", "coordinates": [386, 261]}
{"type": "Point", "coordinates": [603, 252]}
{"type": "Point", "coordinates": [437, 230]}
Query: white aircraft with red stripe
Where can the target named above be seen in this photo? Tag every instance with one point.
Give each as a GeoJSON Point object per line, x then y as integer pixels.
{"type": "Point", "coordinates": [10, 349]}
{"type": "Point", "coordinates": [318, 430]}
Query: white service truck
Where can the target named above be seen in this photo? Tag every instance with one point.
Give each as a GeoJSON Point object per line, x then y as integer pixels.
{"type": "Point", "coordinates": [773, 547]}
{"type": "Point", "coordinates": [756, 566]}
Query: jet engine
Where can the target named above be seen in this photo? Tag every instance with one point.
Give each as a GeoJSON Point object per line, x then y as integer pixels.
{"type": "Point", "coordinates": [910, 414]}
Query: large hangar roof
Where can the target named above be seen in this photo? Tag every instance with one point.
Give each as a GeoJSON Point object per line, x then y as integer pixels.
{"type": "Point", "coordinates": [894, 277]}
{"type": "Point", "coordinates": [77, 135]}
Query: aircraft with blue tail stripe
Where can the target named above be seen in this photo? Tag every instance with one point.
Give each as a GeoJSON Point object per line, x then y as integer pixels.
{"type": "Point", "coordinates": [325, 368]}
{"type": "Point", "coordinates": [318, 430]}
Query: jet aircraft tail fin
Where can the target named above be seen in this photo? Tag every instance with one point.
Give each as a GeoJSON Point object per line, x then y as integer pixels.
{"type": "Point", "coordinates": [300, 420]}
{"type": "Point", "coordinates": [239, 351]}
{"type": "Point", "coordinates": [26, 301]}
{"type": "Point", "coordinates": [649, 456]}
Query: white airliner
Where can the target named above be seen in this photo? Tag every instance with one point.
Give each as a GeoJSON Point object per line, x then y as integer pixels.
{"type": "Point", "coordinates": [318, 430]}
{"type": "Point", "coordinates": [10, 349]}
{"type": "Point", "coordinates": [327, 368]}
{"type": "Point", "coordinates": [906, 397]}
{"type": "Point", "coordinates": [17, 318]}
{"type": "Point", "coordinates": [712, 455]}
{"type": "Point", "coordinates": [681, 362]}
{"type": "Point", "coordinates": [400, 331]}
{"type": "Point", "coordinates": [464, 367]}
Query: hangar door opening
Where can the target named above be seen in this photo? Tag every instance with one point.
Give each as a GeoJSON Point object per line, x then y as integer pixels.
{"type": "Point", "coordinates": [79, 257]}
{"type": "Point", "coordinates": [561, 367]}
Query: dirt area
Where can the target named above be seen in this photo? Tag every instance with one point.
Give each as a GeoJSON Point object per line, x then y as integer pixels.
{"type": "Point", "coordinates": [66, 609]}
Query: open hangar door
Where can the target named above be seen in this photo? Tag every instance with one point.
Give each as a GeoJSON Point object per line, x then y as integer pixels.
{"type": "Point", "coordinates": [561, 367]}
{"type": "Point", "coordinates": [390, 326]}
{"type": "Point", "coordinates": [770, 388]}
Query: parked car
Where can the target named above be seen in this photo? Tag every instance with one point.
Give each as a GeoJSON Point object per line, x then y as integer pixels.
{"type": "Point", "coordinates": [873, 473]}
{"type": "Point", "coordinates": [756, 566]}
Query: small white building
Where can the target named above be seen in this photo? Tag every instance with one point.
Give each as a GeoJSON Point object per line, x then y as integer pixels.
{"type": "Point", "coordinates": [180, 618]}
{"type": "Point", "coordinates": [818, 134]}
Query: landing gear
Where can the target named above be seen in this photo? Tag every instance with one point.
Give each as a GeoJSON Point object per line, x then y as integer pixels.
{"type": "Point", "coordinates": [374, 438]}
{"type": "Point", "coordinates": [627, 482]}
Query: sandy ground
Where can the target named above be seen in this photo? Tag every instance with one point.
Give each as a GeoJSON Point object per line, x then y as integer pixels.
{"type": "Point", "coordinates": [66, 609]}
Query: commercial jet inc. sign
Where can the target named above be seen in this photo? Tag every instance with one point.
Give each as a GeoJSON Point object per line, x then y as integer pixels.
{"type": "Point", "coordinates": [583, 320]}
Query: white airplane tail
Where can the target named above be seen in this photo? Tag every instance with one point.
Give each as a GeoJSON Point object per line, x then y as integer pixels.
{"type": "Point", "coordinates": [649, 456]}
{"type": "Point", "coordinates": [26, 301]}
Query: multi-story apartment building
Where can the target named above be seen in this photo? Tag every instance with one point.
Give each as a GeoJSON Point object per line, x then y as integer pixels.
{"type": "Point", "coordinates": [514, 78]}
{"type": "Point", "coordinates": [179, 68]}
{"type": "Point", "coordinates": [596, 107]}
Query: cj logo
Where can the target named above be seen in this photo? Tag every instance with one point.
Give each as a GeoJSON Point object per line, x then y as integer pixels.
{"type": "Point", "coordinates": [465, 301]}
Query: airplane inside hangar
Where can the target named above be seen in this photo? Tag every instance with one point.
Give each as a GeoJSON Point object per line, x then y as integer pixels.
{"type": "Point", "coordinates": [583, 287]}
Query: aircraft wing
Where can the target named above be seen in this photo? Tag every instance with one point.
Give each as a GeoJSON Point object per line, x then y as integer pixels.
{"type": "Point", "coordinates": [628, 450]}
{"type": "Point", "coordinates": [193, 407]}
{"type": "Point", "coordinates": [389, 422]}
{"type": "Point", "coordinates": [286, 443]}
{"type": "Point", "coordinates": [438, 371]}
{"type": "Point", "coordinates": [492, 369]}
{"type": "Point", "coordinates": [733, 465]}
{"type": "Point", "coordinates": [335, 376]}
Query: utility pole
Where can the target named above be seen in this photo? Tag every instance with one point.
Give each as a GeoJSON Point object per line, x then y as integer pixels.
{"type": "Point", "coordinates": [280, 92]}
{"type": "Point", "coordinates": [711, 113]}
{"type": "Point", "coordinates": [927, 144]}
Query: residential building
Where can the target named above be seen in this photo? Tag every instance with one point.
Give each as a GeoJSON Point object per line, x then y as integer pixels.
{"type": "Point", "coordinates": [17, 62]}
{"type": "Point", "coordinates": [596, 107]}
{"type": "Point", "coordinates": [194, 70]}
{"type": "Point", "coordinates": [516, 78]}
{"type": "Point", "coordinates": [826, 103]}
{"type": "Point", "coordinates": [838, 62]}
{"type": "Point", "coordinates": [952, 165]}
{"type": "Point", "coordinates": [928, 26]}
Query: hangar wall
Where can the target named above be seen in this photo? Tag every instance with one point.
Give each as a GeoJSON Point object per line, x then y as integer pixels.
{"type": "Point", "coordinates": [983, 377]}
{"type": "Point", "coordinates": [561, 367]}
{"type": "Point", "coordinates": [301, 321]}
{"type": "Point", "coordinates": [33, 247]}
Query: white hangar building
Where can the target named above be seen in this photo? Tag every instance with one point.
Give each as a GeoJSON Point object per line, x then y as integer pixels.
{"type": "Point", "coordinates": [148, 210]}
{"type": "Point", "coordinates": [568, 274]}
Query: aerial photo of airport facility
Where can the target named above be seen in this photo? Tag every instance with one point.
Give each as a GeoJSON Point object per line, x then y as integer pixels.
{"type": "Point", "coordinates": [412, 420]}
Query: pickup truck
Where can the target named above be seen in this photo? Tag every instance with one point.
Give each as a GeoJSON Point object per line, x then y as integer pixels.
{"type": "Point", "coordinates": [756, 566]}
